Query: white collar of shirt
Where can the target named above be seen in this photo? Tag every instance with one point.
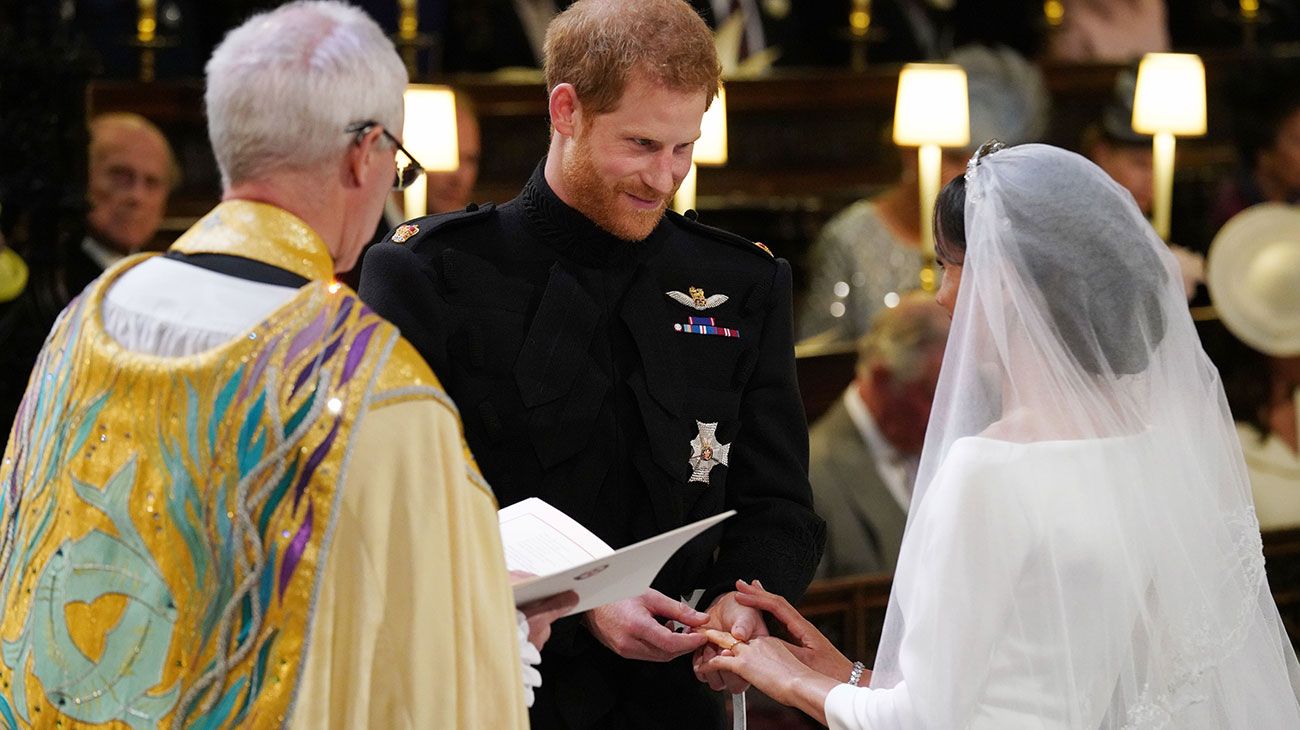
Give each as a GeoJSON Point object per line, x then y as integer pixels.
{"type": "Point", "coordinates": [102, 255]}
{"type": "Point", "coordinates": [897, 471]}
{"type": "Point", "coordinates": [173, 309]}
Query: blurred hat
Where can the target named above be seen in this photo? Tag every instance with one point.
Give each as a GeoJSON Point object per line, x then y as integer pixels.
{"type": "Point", "coordinates": [1254, 277]}
{"type": "Point", "coordinates": [1008, 100]}
{"type": "Point", "coordinates": [1117, 116]}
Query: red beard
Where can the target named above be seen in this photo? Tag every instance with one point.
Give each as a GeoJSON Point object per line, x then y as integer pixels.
{"type": "Point", "coordinates": [604, 204]}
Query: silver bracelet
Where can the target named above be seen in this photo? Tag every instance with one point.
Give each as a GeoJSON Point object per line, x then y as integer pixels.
{"type": "Point", "coordinates": [856, 674]}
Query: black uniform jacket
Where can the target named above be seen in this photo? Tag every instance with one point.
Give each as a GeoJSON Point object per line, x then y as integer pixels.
{"type": "Point", "coordinates": [581, 380]}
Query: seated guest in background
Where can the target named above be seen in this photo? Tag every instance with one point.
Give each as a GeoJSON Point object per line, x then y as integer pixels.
{"type": "Point", "coordinates": [1266, 124]}
{"type": "Point", "coordinates": [237, 481]}
{"type": "Point", "coordinates": [1125, 155]}
{"type": "Point", "coordinates": [864, 451]}
{"type": "Point", "coordinates": [871, 251]}
{"type": "Point", "coordinates": [1261, 394]}
{"type": "Point", "coordinates": [132, 171]}
{"type": "Point", "coordinates": [1109, 30]}
{"type": "Point", "coordinates": [1111, 143]}
{"type": "Point", "coordinates": [1256, 345]}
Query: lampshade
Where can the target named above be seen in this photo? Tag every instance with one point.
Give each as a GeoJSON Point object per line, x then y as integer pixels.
{"type": "Point", "coordinates": [1170, 95]}
{"type": "Point", "coordinates": [429, 133]}
{"type": "Point", "coordinates": [430, 129]}
{"type": "Point", "coordinates": [932, 107]}
{"type": "Point", "coordinates": [711, 147]}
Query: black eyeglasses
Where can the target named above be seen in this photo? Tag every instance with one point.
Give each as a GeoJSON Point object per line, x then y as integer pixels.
{"type": "Point", "coordinates": [408, 170]}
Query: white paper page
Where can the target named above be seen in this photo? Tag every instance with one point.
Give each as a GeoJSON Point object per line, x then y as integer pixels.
{"type": "Point", "coordinates": [541, 540]}
{"type": "Point", "coordinates": [623, 574]}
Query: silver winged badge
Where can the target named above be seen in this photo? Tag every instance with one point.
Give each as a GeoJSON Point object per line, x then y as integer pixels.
{"type": "Point", "coordinates": [696, 299]}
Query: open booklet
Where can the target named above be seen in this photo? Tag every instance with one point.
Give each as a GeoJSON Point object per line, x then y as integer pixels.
{"type": "Point", "coordinates": [565, 556]}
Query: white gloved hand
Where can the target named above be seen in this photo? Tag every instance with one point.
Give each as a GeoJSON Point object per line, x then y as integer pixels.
{"type": "Point", "coordinates": [530, 657]}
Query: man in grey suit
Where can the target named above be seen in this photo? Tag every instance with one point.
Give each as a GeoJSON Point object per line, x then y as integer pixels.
{"type": "Point", "coordinates": [865, 449]}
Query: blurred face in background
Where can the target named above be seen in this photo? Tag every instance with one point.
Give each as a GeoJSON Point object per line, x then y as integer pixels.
{"type": "Point", "coordinates": [450, 191]}
{"type": "Point", "coordinates": [130, 178]}
{"type": "Point", "coordinates": [1280, 164]}
{"type": "Point", "coordinates": [906, 399]}
{"type": "Point", "coordinates": [1128, 165]}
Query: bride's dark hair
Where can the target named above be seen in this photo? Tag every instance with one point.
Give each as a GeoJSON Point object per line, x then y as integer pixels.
{"type": "Point", "coordinates": [950, 222]}
{"type": "Point", "coordinates": [1098, 278]}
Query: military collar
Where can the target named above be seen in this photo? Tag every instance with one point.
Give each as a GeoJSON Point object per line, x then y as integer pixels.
{"type": "Point", "coordinates": [574, 235]}
{"type": "Point", "coordinates": [260, 232]}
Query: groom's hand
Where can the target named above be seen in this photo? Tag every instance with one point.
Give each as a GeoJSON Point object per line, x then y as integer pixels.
{"type": "Point", "coordinates": [631, 628]}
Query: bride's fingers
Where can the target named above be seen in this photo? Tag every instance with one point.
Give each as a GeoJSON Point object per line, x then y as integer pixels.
{"type": "Point", "coordinates": [757, 591]}
{"type": "Point", "coordinates": [723, 663]}
{"type": "Point", "coordinates": [798, 626]}
{"type": "Point", "coordinates": [773, 604]}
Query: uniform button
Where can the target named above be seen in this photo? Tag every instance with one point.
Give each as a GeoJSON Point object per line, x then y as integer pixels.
{"type": "Point", "coordinates": [692, 214]}
{"type": "Point", "coordinates": [471, 207]}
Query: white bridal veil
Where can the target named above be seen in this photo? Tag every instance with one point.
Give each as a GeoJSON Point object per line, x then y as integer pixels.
{"type": "Point", "coordinates": [1104, 553]}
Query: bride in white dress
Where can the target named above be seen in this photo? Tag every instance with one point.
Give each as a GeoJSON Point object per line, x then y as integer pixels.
{"type": "Point", "coordinates": [1081, 551]}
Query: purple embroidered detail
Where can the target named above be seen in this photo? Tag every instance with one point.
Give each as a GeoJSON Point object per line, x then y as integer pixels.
{"type": "Point", "coordinates": [345, 308]}
{"type": "Point", "coordinates": [364, 311]}
{"type": "Point", "coordinates": [259, 367]}
{"type": "Point", "coordinates": [293, 553]}
{"type": "Point", "coordinates": [312, 367]}
{"type": "Point", "coordinates": [309, 334]}
{"type": "Point", "coordinates": [314, 461]}
{"type": "Point", "coordinates": [356, 352]}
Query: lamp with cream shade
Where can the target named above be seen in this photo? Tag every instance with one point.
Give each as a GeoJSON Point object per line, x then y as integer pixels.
{"type": "Point", "coordinates": [1169, 101]}
{"type": "Point", "coordinates": [710, 150]}
{"type": "Point", "coordinates": [931, 112]}
{"type": "Point", "coordinates": [429, 132]}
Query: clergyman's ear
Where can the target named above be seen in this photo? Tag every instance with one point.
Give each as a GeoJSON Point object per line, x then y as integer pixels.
{"type": "Point", "coordinates": [361, 155]}
{"type": "Point", "coordinates": [564, 109]}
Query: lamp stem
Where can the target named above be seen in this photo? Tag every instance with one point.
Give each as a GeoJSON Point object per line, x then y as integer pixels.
{"type": "Point", "coordinates": [415, 198]}
{"type": "Point", "coordinates": [146, 34]}
{"type": "Point", "coordinates": [1163, 193]}
{"type": "Point", "coordinates": [1295, 395]}
{"type": "Point", "coordinates": [684, 200]}
{"type": "Point", "coordinates": [930, 157]}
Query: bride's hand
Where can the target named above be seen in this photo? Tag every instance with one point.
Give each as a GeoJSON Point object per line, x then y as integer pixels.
{"type": "Point", "coordinates": [810, 647]}
{"type": "Point", "coordinates": [769, 664]}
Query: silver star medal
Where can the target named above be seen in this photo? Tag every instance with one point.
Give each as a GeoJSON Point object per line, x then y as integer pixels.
{"type": "Point", "coordinates": [706, 452]}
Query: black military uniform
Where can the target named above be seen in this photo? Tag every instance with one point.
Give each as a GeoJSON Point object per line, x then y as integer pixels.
{"type": "Point", "coordinates": [583, 380]}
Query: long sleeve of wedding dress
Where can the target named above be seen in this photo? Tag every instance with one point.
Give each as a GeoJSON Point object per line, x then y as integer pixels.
{"type": "Point", "coordinates": [980, 650]}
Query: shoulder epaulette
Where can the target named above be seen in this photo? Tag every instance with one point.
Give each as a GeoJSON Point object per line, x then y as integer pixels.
{"type": "Point", "coordinates": [690, 223]}
{"type": "Point", "coordinates": [413, 230]}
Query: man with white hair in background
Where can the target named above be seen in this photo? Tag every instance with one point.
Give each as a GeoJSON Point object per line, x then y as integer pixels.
{"type": "Point", "coordinates": [131, 173]}
{"type": "Point", "coordinates": [866, 448]}
{"type": "Point", "coordinates": [234, 495]}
